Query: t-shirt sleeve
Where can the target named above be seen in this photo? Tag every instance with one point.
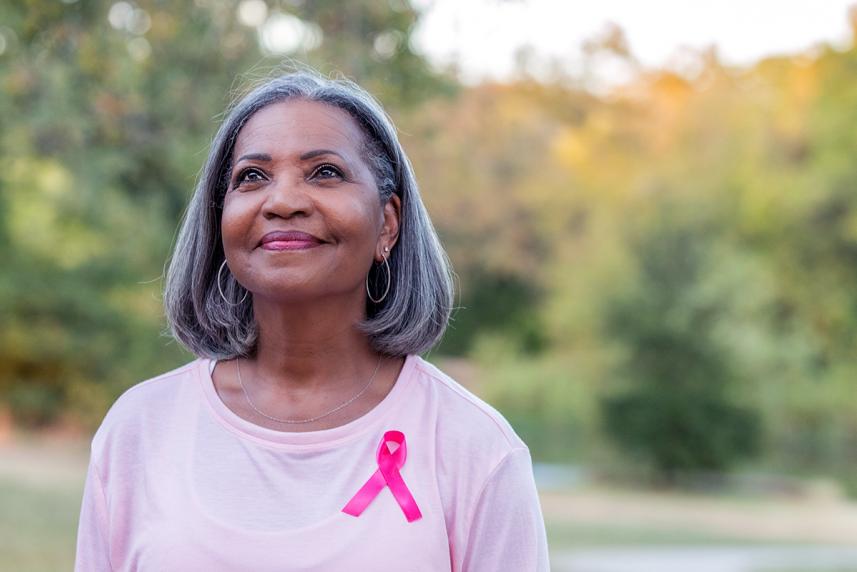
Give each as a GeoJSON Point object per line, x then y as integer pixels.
{"type": "Point", "coordinates": [507, 530]}
{"type": "Point", "coordinates": [92, 540]}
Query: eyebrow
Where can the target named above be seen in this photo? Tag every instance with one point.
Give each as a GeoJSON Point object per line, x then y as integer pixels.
{"type": "Point", "coordinates": [305, 157]}
{"type": "Point", "coordinates": [318, 152]}
{"type": "Point", "coordinates": [255, 157]}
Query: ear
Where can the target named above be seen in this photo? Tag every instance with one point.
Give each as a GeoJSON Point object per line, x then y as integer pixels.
{"type": "Point", "coordinates": [390, 230]}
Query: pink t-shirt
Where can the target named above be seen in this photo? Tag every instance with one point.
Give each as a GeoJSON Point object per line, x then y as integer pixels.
{"type": "Point", "coordinates": [178, 482]}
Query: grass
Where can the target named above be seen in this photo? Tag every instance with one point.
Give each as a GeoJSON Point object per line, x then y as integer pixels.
{"type": "Point", "coordinates": [38, 526]}
{"type": "Point", "coordinates": [574, 535]}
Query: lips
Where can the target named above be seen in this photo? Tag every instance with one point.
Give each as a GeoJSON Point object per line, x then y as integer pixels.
{"type": "Point", "coordinates": [288, 240]}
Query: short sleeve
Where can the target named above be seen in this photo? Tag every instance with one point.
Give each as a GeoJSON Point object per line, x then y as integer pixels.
{"type": "Point", "coordinates": [92, 539]}
{"type": "Point", "coordinates": [507, 530]}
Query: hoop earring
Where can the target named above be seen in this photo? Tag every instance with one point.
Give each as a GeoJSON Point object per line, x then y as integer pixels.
{"type": "Point", "coordinates": [386, 290]}
{"type": "Point", "coordinates": [219, 289]}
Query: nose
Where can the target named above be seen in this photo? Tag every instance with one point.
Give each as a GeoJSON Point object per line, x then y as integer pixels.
{"type": "Point", "coordinates": [288, 197]}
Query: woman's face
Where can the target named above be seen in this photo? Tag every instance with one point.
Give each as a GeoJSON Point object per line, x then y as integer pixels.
{"type": "Point", "coordinates": [298, 168]}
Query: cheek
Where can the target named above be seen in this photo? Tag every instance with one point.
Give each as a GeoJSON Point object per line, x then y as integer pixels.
{"type": "Point", "coordinates": [227, 225]}
{"type": "Point", "coordinates": [233, 219]}
{"type": "Point", "coordinates": [359, 218]}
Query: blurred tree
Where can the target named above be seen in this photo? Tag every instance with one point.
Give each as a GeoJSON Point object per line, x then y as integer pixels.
{"type": "Point", "coordinates": [371, 41]}
{"type": "Point", "coordinates": [676, 409]}
{"type": "Point", "coordinates": [495, 304]}
{"type": "Point", "coordinates": [501, 206]}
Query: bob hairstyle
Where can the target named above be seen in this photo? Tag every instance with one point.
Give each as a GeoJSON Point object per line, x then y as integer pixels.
{"type": "Point", "coordinates": [412, 317]}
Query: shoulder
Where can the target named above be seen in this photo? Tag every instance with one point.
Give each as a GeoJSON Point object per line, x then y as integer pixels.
{"type": "Point", "coordinates": [477, 453]}
{"type": "Point", "coordinates": [139, 410]}
{"type": "Point", "coordinates": [466, 421]}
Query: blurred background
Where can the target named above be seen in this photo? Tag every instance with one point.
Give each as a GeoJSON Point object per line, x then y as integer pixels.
{"type": "Point", "coordinates": [651, 208]}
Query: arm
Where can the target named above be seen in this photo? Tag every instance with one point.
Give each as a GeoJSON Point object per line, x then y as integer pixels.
{"type": "Point", "coordinates": [507, 530]}
{"type": "Point", "coordinates": [92, 541]}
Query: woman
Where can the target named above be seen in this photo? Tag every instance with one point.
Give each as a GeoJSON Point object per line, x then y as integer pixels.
{"type": "Point", "coordinates": [308, 435]}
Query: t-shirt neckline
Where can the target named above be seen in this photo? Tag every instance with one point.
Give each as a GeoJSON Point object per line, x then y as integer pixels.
{"type": "Point", "coordinates": [320, 438]}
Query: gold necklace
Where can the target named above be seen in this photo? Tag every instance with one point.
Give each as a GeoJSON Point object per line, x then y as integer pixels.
{"type": "Point", "coordinates": [311, 419]}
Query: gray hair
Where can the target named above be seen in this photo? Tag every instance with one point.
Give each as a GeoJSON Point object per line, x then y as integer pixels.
{"type": "Point", "coordinates": [415, 313]}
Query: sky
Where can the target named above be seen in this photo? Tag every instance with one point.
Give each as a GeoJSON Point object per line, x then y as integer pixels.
{"type": "Point", "coordinates": [483, 36]}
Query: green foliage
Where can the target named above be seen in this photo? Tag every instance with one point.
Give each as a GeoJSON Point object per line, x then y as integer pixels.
{"type": "Point", "coordinates": [550, 399]}
{"type": "Point", "coordinates": [497, 304]}
{"type": "Point", "coordinates": [676, 411]}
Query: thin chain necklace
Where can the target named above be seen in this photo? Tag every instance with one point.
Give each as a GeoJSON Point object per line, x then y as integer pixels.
{"type": "Point", "coordinates": [311, 419]}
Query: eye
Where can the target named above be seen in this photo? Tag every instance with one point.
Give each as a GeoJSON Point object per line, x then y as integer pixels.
{"type": "Point", "coordinates": [327, 171]}
{"type": "Point", "coordinates": [249, 175]}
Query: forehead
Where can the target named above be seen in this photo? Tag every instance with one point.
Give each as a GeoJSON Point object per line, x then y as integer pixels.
{"type": "Point", "coordinates": [299, 125]}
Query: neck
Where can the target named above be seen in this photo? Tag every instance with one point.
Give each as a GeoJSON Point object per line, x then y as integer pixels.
{"type": "Point", "coordinates": [311, 347]}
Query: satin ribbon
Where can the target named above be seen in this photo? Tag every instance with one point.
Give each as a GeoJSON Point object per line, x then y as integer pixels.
{"type": "Point", "coordinates": [387, 474]}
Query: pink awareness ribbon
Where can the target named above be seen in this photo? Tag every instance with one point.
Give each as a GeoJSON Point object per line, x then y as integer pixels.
{"type": "Point", "coordinates": [387, 474]}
